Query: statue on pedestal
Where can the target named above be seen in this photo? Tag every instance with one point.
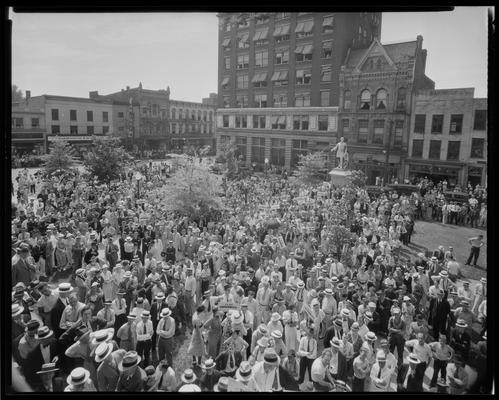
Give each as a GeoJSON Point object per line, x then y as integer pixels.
{"type": "Point", "coordinates": [341, 153]}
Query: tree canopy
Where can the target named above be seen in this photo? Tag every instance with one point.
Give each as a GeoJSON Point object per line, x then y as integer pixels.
{"type": "Point", "coordinates": [17, 94]}
{"type": "Point", "coordinates": [59, 159]}
{"type": "Point", "coordinates": [311, 169]}
{"type": "Point", "coordinates": [107, 159]}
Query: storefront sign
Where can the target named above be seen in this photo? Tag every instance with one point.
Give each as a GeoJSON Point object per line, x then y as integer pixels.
{"type": "Point", "coordinates": [74, 138]}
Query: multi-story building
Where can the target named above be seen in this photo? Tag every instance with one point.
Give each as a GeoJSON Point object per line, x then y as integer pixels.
{"type": "Point", "coordinates": [285, 66]}
{"type": "Point", "coordinates": [377, 86]}
{"type": "Point", "coordinates": [448, 137]}
{"type": "Point", "coordinates": [28, 126]}
{"type": "Point", "coordinates": [211, 100]}
{"type": "Point", "coordinates": [165, 124]}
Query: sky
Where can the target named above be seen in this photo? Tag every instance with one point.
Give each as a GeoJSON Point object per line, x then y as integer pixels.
{"type": "Point", "coordinates": [72, 54]}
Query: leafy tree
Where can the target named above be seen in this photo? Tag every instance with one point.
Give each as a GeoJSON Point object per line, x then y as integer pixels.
{"type": "Point", "coordinates": [107, 159]}
{"type": "Point", "coordinates": [311, 169]}
{"type": "Point", "coordinates": [227, 155]}
{"type": "Point", "coordinates": [17, 94]}
{"type": "Point", "coordinates": [357, 179]}
{"type": "Point", "coordinates": [59, 159]}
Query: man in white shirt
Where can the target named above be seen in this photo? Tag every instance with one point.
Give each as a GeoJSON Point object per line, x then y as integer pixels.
{"type": "Point", "coordinates": [46, 302]}
{"type": "Point", "coordinates": [336, 268]}
{"type": "Point", "coordinates": [465, 293]}
{"type": "Point", "coordinates": [144, 331]}
{"type": "Point", "coordinates": [71, 313]}
{"type": "Point", "coordinates": [321, 378]}
{"type": "Point", "coordinates": [307, 351]}
{"type": "Point", "coordinates": [190, 294]}
{"type": "Point", "coordinates": [381, 374]}
{"type": "Point", "coordinates": [291, 265]}
{"type": "Point", "coordinates": [329, 307]}
{"type": "Point", "coordinates": [390, 359]}
{"type": "Point", "coordinates": [165, 331]}
{"type": "Point", "coordinates": [165, 375]}
{"type": "Point", "coordinates": [421, 349]}
{"type": "Point", "coordinates": [266, 372]}
{"type": "Point", "coordinates": [263, 299]}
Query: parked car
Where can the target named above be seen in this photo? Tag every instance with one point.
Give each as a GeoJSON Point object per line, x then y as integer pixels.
{"type": "Point", "coordinates": [460, 197]}
{"type": "Point", "coordinates": [401, 189]}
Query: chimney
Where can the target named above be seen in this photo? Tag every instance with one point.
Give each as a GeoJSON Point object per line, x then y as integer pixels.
{"type": "Point", "coordinates": [94, 94]}
{"type": "Point", "coordinates": [28, 94]}
{"type": "Point", "coordinates": [419, 39]}
{"type": "Point", "coordinates": [128, 88]}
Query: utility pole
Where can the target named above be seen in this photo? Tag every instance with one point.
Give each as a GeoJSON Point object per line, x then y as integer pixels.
{"type": "Point", "coordinates": [387, 159]}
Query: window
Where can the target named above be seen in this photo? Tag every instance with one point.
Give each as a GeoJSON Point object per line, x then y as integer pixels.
{"type": "Point", "coordinates": [227, 62]}
{"type": "Point", "coordinates": [260, 37]}
{"type": "Point", "coordinates": [260, 100]}
{"type": "Point", "coordinates": [323, 121]}
{"type": "Point", "coordinates": [243, 21]}
{"type": "Point", "coordinates": [325, 96]}
{"type": "Point", "coordinates": [327, 50]}
{"type": "Point", "coordinates": [174, 113]}
{"type": "Point", "coordinates": [225, 83]}
{"type": "Point", "coordinates": [401, 98]}
{"type": "Point", "coordinates": [299, 147]}
{"type": "Point", "coordinates": [399, 132]}
{"type": "Point", "coordinates": [280, 100]}
{"type": "Point", "coordinates": [259, 121]}
{"type": "Point", "coordinates": [242, 41]}
{"type": "Point", "coordinates": [241, 121]}
{"type": "Point", "coordinates": [90, 116]}
{"type": "Point", "coordinates": [282, 56]}
{"type": "Point", "coordinates": [193, 115]}
{"type": "Point", "coordinates": [226, 44]}
{"type": "Point", "coordinates": [261, 58]}
{"type": "Point", "coordinates": [35, 122]}
{"type": "Point", "coordinates": [73, 130]}
{"type": "Point", "coordinates": [345, 126]}
{"type": "Point", "coordinates": [437, 123]}
{"type": "Point", "coordinates": [105, 129]}
{"type": "Point", "coordinates": [241, 147]}
{"type": "Point", "coordinates": [242, 61]}
{"type": "Point", "coordinates": [281, 15]}
{"type": "Point", "coordinates": [105, 116]}
{"type": "Point", "coordinates": [304, 29]}
{"type": "Point", "coordinates": [227, 26]}
{"type": "Point", "coordinates": [365, 100]}
{"type": "Point", "coordinates": [277, 152]}
{"type": "Point", "coordinates": [18, 122]}
{"type": "Point", "coordinates": [363, 131]}
{"type": "Point", "coordinates": [453, 148]}
{"type": "Point", "coordinates": [200, 113]}
{"type": "Point", "coordinates": [205, 116]}
{"type": "Point", "coordinates": [278, 122]}
{"type": "Point", "coordinates": [121, 115]}
{"type": "Point", "coordinates": [381, 99]}
{"type": "Point", "coordinates": [300, 122]}
{"type": "Point", "coordinates": [302, 100]}
{"type": "Point", "coordinates": [242, 101]}
{"type": "Point", "coordinates": [225, 101]}
{"type": "Point", "coordinates": [56, 129]}
{"type": "Point", "coordinates": [225, 120]}
{"type": "Point", "coordinates": [303, 77]}
{"type": "Point", "coordinates": [326, 73]}
{"type": "Point", "coordinates": [304, 53]}
{"type": "Point", "coordinates": [347, 99]}
{"type": "Point", "coordinates": [417, 148]}
{"type": "Point", "coordinates": [477, 145]}
{"type": "Point", "coordinates": [456, 123]}
{"type": "Point", "coordinates": [242, 82]}
{"type": "Point", "coordinates": [419, 123]}
{"type": "Point", "coordinates": [90, 130]}
{"type": "Point", "coordinates": [435, 149]}
{"type": "Point", "coordinates": [262, 19]}
{"type": "Point", "coordinates": [258, 150]}
{"type": "Point", "coordinates": [480, 123]}
{"type": "Point", "coordinates": [281, 33]}
{"type": "Point", "coordinates": [379, 131]}
{"type": "Point", "coordinates": [328, 24]}
{"type": "Point", "coordinates": [280, 78]}
{"type": "Point", "coordinates": [55, 114]}
{"type": "Point", "coordinates": [72, 115]}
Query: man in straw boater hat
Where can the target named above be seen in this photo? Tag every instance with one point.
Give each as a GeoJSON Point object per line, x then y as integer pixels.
{"type": "Point", "coordinates": [438, 313]}
{"type": "Point", "coordinates": [107, 372]}
{"type": "Point", "coordinates": [321, 376]}
{"type": "Point", "coordinates": [167, 382]}
{"type": "Point", "coordinates": [460, 339]}
{"type": "Point", "coordinates": [79, 381]}
{"type": "Point", "coordinates": [50, 383]}
{"type": "Point", "coordinates": [380, 375]}
{"type": "Point", "coordinates": [131, 375]}
{"type": "Point", "coordinates": [244, 375]}
{"type": "Point", "coordinates": [144, 331]}
{"type": "Point", "coordinates": [266, 372]}
{"type": "Point", "coordinates": [210, 376]}
{"type": "Point", "coordinates": [189, 379]}
{"type": "Point", "coordinates": [409, 377]}
{"type": "Point", "coordinates": [127, 334]}
{"type": "Point", "coordinates": [307, 351]}
{"type": "Point", "coordinates": [47, 350]}
{"type": "Point", "coordinates": [165, 330]}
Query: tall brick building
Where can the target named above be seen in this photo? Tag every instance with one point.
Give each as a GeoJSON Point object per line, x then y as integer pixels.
{"type": "Point", "coordinates": [278, 83]}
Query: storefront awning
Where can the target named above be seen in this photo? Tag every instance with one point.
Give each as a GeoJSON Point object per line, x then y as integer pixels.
{"type": "Point", "coordinates": [328, 21]}
{"type": "Point", "coordinates": [225, 81]}
{"type": "Point", "coordinates": [226, 42]}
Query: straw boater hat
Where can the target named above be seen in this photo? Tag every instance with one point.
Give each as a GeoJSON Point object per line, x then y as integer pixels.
{"type": "Point", "coordinates": [44, 332]}
{"type": "Point", "coordinates": [444, 274]}
{"type": "Point", "coordinates": [130, 360]}
{"type": "Point", "coordinates": [461, 323]}
{"type": "Point", "coordinates": [262, 328]}
{"type": "Point", "coordinates": [275, 317]}
{"type": "Point", "coordinates": [102, 336]}
{"type": "Point", "coordinates": [17, 310]}
{"type": "Point", "coordinates": [263, 342]}
{"type": "Point", "coordinates": [237, 319]}
{"type": "Point", "coordinates": [335, 342]}
{"type": "Point", "coordinates": [188, 376]}
{"type": "Point", "coordinates": [370, 336]}
{"type": "Point", "coordinates": [483, 280]}
{"type": "Point", "coordinates": [328, 292]}
{"type": "Point", "coordinates": [190, 388]}
{"type": "Point", "coordinates": [222, 385]}
{"type": "Point", "coordinates": [46, 368]}
{"type": "Point", "coordinates": [244, 372]}
{"type": "Point", "coordinates": [270, 357]}
{"type": "Point", "coordinates": [342, 386]}
{"type": "Point", "coordinates": [276, 334]}
{"type": "Point", "coordinates": [380, 355]}
{"type": "Point", "coordinates": [338, 322]}
{"type": "Point", "coordinates": [345, 312]}
{"type": "Point", "coordinates": [208, 364]}
{"type": "Point", "coordinates": [131, 316]}
{"type": "Point", "coordinates": [102, 351]}
{"type": "Point", "coordinates": [413, 359]}
{"type": "Point", "coordinates": [165, 312]}
{"type": "Point", "coordinates": [32, 325]}
{"type": "Point", "coordinates": [159, 296]}
{"type": "Point", "coordinates": [78, 376]}
{"type": "Point", "coordinates": [64, 287]}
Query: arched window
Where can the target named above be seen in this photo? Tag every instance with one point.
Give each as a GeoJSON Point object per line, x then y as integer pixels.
{"type": "Point", "coordinates": [180, 111]}
{"type": "Point", "coordinates": [401, 97]}
{"type": "Point", "coordinates": [381, 99]}
{"type": "Point", "coordinates": [174, 113]}
{"type": "Point", "coordinates": [347, 99]}
{"type": "Point", "coordinates": [365, 100]}
{"type": "Point", "coordinates": [199, 115]}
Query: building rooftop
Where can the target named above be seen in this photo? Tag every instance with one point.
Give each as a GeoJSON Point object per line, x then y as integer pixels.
{"type": "Point", "coordinates": [398, 52]}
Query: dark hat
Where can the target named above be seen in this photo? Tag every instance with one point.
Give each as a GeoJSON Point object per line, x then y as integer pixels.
{"type": "Point", "coordinates": [32, 325]}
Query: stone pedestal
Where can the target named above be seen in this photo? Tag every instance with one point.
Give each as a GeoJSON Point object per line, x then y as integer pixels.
{"type": "Point", "coordinates": [339, 176]}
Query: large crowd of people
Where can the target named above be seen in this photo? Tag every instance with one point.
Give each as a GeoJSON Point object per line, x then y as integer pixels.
{"type": "Point", "coordinates": [288, 288]}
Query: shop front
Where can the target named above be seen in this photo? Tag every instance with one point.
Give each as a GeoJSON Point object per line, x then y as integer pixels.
{"type": "Point", "coordinates": [436, 173]}
{"type": "Point", "coordinates": [375, 168]}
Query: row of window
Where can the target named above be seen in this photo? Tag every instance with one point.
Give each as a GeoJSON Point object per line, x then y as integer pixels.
{"type": "Point", "coordinates": [379, 130]}
{"type": "Point", "coordinates": [455, 125]}
{"type": "Point", "coordinates": [73, 115]}
{"type": "Point", "coordinates": [19, 122]}
{"type": "Point", "coordinates": [73, 130]}
{"type": "Point", "coordinates": [190, 128]}
{"type": "Point", "coordinates": [278, 100]}
{"type": "Point", "coordinates": [453, 149]}
{"type": "Point", "coordinates": [300, 122]}
{"type": "Point", "coordinates": [378, 101]}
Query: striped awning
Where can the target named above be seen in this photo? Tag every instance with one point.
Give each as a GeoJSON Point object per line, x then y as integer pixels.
{"type": "Point", "coordinates": [261, 34]}
{"type": "Point", "coordinates": [328, 21]}
{"type": "Point", "coordinates": [281, 30]}
{"type": "Point", "coordinates": [279, 76]}
{"type": "Point", "coordinates": [226, 42]}
{"type": "Point", "coordinates": [225, 81]}
{"type": "Point", "coordinates": [259, 77]}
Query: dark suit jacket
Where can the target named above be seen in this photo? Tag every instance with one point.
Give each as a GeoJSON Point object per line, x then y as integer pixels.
{"type": "Point", "coordinates": [438, 314]}
{"type": "Point", "coordinates": [222, 359]}
{"type": "Point", "coordinates": [342, 367]}
{"type": "Point", "coordinates": [35, 359]}
{"type": "Point", "coordinates": [460, 343]}
{"type": "Point", "coordinates": [414, 383]}
{"type": "Point", "coordinates": [55, 317]}
{"type": "Point", "coordinates": [329, 335]}
{"type": "Point", "coordinates": [155, 311]}
{"type": "Point", "coordinates": [208, 381]}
